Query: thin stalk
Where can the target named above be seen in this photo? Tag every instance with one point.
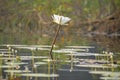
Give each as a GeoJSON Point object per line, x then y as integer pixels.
{"type": "Point", "coordinates": [48, 69]}
{"type": "Point", "coordinates": [54, 40]}
{"type": "Point", "coordinates": [32, 60]}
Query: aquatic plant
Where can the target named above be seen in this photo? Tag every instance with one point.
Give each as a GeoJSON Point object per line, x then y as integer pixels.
{"type": "Point", "coordinates": [60, 20]}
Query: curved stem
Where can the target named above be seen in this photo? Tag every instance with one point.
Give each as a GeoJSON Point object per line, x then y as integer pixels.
{"type": "Point", "coordinates": [54, 40]}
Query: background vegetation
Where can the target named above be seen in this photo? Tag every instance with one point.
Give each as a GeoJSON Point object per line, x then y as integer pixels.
{"type": "Point", "coordinates": [29, 21]}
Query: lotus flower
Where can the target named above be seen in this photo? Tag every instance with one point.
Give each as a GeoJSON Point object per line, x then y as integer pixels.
{"type": "Point", "coordinates": [61, 20]}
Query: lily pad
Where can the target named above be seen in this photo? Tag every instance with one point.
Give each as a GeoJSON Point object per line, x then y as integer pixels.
{"type": "Point", "coordinates": [70, 70]}
{"type": "Point", "coordinates": [16, 63]}
{"type": "Point", "coordinates": [40, 75]}
{"type": "Point", "coordinates": [6, 55]}
{"type": "Point", "coordinates": [63, 51]}
{"type": "Point", "coordinates": [94, 66]}
{"type": "Point", "coordinates": [40, 63]}
{"type": "Point", "coordinates": [49, 60]}
{"type": "Point", "coordinates": [31, 57]}
{"type": "Point", "coordinates": [105, 73]}
{"type": "Point", "coordinates": [3, 49]}
{"type": "Point", "coordinates": [80, 46]}
{"type": "Point", "coordinates": [86, 54]}
{"type": "Point", "coordinates": [7, 66]}
{"type": "Point", "coordinates": [16, 71]}
{"type": "Point", "coordinates": [110, 78]}
{"type": "Point", "coordinates": [5, 58]}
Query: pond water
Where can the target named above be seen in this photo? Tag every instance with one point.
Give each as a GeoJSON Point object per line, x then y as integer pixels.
{"type": "Point", "coordinates": [32, 62]}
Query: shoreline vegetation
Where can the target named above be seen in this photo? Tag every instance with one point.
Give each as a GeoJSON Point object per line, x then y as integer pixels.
{"type": "Point", "coordinates": [30, 22]}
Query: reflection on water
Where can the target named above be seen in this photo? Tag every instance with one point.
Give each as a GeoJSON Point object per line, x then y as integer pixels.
{"type": "Point", "coordinates": [32, 62]}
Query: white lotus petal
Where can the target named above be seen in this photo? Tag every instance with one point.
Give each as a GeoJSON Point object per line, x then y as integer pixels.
{"type": "Point", "coordinates": [60, 19]}
{"type": "Point", "coordinates": [56, 19]}
{"type": "Point", "coordinates": [64, 20]}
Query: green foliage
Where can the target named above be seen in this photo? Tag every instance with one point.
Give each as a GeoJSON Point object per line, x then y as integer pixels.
{"type": "Point", "coordinates": [26, 18]}
{"type": "Point", "coordinates": [117, 2]}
